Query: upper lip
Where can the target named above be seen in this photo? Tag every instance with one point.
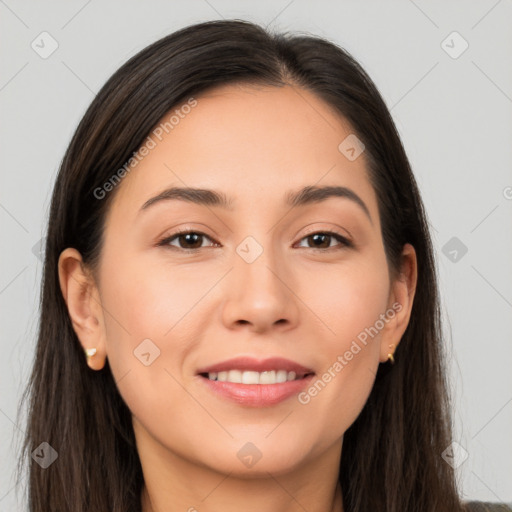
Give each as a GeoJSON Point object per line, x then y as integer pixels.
{"type": "Point", "coordinates": [256, 365]}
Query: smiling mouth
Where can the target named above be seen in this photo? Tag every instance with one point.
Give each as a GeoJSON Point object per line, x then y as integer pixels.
{"type": "Point", "coordinates": [253, 377]}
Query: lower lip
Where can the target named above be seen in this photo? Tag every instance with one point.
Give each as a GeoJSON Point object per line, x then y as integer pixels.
{"type": "Point", "coordinates": [257, 395]}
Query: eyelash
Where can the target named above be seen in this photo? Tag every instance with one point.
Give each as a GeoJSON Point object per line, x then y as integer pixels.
{"type": "Point", "coordinates": [344, 242]}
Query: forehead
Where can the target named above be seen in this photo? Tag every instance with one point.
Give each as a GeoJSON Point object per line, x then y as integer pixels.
{"type": "Point", "coordinates": [252, 142]}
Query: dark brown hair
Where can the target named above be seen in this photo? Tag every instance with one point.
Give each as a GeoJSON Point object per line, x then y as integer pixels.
{"type": "Point", "coordinates": [391, 457]}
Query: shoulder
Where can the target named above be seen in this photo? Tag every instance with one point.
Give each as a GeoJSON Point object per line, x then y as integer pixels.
{"type": "Point", "coordinates": [481, 506]}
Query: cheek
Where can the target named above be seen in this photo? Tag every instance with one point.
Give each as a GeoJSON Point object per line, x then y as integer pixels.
{"type": "Point", "coordinates": [139, 310]}
{"type": "Point", "coordinates": [349, 298]}
{"type": "Point", "coordinates": [147, 300]}
{"type": "Point", "coordinates": [351, 303]}
{"type": "Point", "coordinates": [144, 312]}
{"type": "Point", "coordinates": [153, 315]}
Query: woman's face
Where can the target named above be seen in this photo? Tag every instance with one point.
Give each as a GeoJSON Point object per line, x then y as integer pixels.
{"type": "Point", "coordinates": [251, 281]}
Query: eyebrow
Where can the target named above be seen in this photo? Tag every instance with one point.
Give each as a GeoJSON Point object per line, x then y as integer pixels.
{"type": "Point", "coordinates": [304, 196]}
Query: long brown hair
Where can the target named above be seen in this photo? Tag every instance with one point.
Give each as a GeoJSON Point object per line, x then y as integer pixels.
{"type": "Point", "coordinates": [391, 457]}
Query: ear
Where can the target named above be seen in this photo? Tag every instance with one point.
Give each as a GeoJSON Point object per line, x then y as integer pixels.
{"type": "Point", "coordinates": [401, 298]}
{"type": "Point", "coordinates": [84, 305]}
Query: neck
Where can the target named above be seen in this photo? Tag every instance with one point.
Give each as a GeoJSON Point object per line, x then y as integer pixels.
{"type": "Point", "coordinates": [173, 483]}
{"type": "Point", "coordinates": [271, 498]}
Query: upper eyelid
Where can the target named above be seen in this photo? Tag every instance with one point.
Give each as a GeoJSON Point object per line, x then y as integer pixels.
{"type": "Point", "coordinates": [328, 230]}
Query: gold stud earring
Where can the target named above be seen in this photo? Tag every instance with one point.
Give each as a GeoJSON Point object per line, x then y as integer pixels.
{"type": "Point", "coordinates": [89, 352]}
{"type": "Point", "coordinates": [391, 357]}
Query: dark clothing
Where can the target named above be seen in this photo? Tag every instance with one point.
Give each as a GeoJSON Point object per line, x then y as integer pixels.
{"type": "Point", "coordinates": [480, 506]}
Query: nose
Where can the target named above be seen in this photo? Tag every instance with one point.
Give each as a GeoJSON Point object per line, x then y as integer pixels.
{"type": "Point", "coordinates": [260, 294]}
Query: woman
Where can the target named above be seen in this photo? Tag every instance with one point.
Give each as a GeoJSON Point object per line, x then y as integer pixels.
{"type": "Point", "coordinates": [238, 245]}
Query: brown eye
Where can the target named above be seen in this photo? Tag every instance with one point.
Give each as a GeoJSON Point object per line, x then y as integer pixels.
{"type": "Point", "coordinates": [323, 240]}
{"type": "Point", "coordinates": [190, 240]}
{"type": "Point", "coordinates": [186, 240]}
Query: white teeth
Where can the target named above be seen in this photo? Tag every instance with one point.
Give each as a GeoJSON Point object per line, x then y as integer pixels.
{"type": "Point", "coordinates": [235, 376]}
{"type": "Point", "coordinates": [251, 377]}
{"type": "Point", "coordinates": [268, 377]}
{"type": "Point", "coordinates": [281, 376]}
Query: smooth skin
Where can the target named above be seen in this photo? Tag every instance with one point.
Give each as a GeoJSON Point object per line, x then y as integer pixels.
{"type": "Point", "coordinates": [203, 306]}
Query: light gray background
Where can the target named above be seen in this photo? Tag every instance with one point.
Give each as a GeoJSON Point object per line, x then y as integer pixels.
{"type": "Point", "coordinates": [454, 116]}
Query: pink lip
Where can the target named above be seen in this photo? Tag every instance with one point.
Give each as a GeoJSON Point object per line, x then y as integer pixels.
{"type": "Point", "coordinates": [257, 395]}
{"type": "Point", "coordinates": [256, 365]}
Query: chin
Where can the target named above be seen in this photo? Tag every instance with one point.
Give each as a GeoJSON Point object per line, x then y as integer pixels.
{"type": "Point", "coordinates": [254, 459]}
